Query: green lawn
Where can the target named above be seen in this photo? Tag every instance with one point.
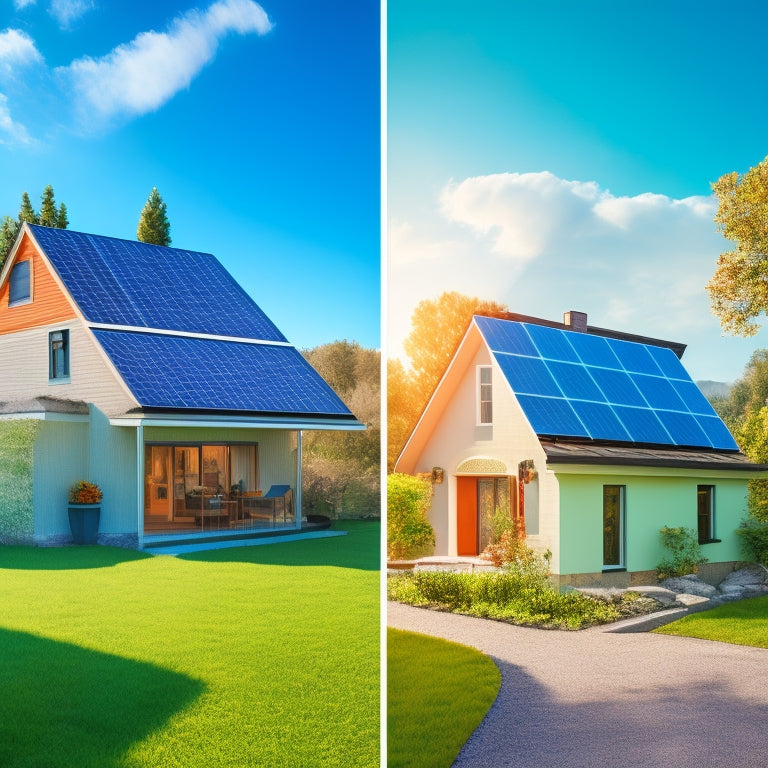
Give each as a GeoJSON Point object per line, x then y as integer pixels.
{"type": "Point", "coordinates": [254, 656]}
{"type": "Point", "coordinates": [437, 694]}
{"type": "Point", "coordinates": [744, 622]}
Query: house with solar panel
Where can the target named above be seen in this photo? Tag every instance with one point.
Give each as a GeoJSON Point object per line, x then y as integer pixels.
{"type": "Point", "coordinates": [592, 439]}
{"type": "Point", "coordinates": [149, 371]}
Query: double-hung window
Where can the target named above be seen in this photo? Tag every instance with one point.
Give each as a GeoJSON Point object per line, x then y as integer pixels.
{"type": "Point", "coordinates": [58, 356]}
{"type": "Point", "coordinates": [705, 503]}
{"type": "Point", "coordinates": [484, 395]}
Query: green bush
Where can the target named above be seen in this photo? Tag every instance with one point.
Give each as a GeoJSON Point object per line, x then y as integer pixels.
{"type": "Point", "coordinates": [519, 595]}
{"type": "Point", "coordinates": [754, 534]}
{"type": "Point", "coordinates": [684, 552]}
{"type": "Point", "coordinates": [409, 533]}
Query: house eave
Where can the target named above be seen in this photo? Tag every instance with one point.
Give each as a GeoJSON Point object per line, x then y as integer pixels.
{"type": "Point", "coordinates": [236, 421]}
{"type": "Point", "coordinates": [590, 458]}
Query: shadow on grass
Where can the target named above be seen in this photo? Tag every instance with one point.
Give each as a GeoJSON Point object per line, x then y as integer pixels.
{"type": "Point", "coordinates": [66, 558]}
{"type": "Point", "coordinates": [68, 707]}
{"type": "Point", "coordinates": [359, 549]}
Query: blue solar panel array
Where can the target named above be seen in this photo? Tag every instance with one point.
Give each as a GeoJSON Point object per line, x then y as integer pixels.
{"type": "Point", "coordinates": [121, 282]}
{"type": "Point", "coordinates": [579, 385]}
{"type": "Point", "coordinates": [184, 372]}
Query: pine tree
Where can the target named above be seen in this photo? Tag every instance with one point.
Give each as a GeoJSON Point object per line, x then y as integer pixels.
{"type": "Point", "coordinates": [62, 222]}
{"type": "Point", "coordinates": [8, 232]}
{"type": "Point", "coordinates": [154, 226]}
{"type": "Point", "coordinates": [48, 214]}
{"type": "Point", "coordinates": [27, 212]}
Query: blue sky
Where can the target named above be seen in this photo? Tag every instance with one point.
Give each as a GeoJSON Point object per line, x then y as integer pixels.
{"type": "Point", "coordinates": [558, 155]}
{"type": "Point", "coordinates": [258, 123]}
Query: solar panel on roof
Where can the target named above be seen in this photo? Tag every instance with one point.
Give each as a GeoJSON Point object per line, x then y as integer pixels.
{"type": "Point", "coordinates": [121, 282]}
{"type": "Point", "coordinates": [164, 371]}
{"type": "Point", "coordinates": [580, 385]}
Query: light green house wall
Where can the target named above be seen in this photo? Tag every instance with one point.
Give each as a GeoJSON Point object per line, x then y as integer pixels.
{"type": "Point", "coordinates": [60, 459]}
{"type": "Point", "coordinates": [651, 502]}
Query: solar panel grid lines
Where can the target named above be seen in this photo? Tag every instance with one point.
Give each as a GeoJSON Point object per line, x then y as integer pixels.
{"type": "Point", "coordinates": [580, 385]}
{"type": "Point", "coordinates": [165, 371]}
{"type": "Point", "coordinates": [122, 282]}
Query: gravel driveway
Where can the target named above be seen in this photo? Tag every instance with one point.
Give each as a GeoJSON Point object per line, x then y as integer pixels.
{"type": "Point", "coordinates": [597, 699]}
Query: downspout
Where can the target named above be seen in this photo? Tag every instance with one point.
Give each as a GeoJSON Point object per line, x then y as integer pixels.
{"type": "Point", "coordinates": [140, 483]}
{"type": "Point", "coordinates": [299, 436]}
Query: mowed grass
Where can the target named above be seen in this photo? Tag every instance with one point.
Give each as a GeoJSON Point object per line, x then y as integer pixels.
{"type": "Point", "coordinates": [255, 656]}
{"type": "Point", "coordinates": [437, 694]}
{"type": "Point", "coordinates": [744, 622]}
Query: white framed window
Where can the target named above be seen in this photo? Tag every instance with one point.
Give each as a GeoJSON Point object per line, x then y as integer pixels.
{"type": "Point", "coordinates": [484, 394]}
{"type": "Point", "coordinates": [58, 356]}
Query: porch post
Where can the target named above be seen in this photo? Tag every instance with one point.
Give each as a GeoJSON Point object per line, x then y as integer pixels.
{"type": "Point", "coordinates": [299, 435]}
{"type": "Point", "coordinates": [140, 483]}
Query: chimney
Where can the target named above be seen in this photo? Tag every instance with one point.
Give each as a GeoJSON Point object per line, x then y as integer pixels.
{"type": "Point", "coordinates": [575, 321]}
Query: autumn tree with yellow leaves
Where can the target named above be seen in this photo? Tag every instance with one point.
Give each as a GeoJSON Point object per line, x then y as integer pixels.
{"type": "Point", "coordinates": [739, 288]}
{"type": "Point", "coordinates": [437, 327]}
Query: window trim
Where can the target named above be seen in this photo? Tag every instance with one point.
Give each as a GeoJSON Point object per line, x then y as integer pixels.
{"type": "Point", "coordinates": [711, 533]}
{"type": "Point", "coordinates": [479, 385]}
{"type": "Point", "coordinates": [27, 299]}
{"type": "Point", "coordinates": [64, 378]}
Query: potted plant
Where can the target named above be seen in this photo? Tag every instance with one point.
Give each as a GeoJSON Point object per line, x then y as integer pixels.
{"type": "Point", "coordinates": [84, 511]}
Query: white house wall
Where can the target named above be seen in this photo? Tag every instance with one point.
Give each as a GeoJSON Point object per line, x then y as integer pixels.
{"type": "Point", "coordinates": [24, 369]}
{"type": "Point", "coordinates": [457, 437]}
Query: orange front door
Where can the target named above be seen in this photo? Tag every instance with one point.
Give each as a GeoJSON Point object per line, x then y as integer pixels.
{"type": "Point", "coordinates": [466, 515]}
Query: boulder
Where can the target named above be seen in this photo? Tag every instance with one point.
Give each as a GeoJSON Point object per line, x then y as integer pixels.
{"type": "Point", "coordinates": [689, 585]}
{"type": "Point", "coordinates": [685, 599]}
{"type": "Point", "coordinates": [749, 576]}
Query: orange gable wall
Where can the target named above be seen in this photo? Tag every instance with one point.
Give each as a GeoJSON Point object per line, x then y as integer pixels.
{"type": "Point", "coordinates": [49, 304]}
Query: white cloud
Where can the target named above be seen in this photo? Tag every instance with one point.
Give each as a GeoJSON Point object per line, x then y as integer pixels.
{"type": "Point", "coordinates": [12, 131]}
{"type": "Point", "coordinates": [544, 245]}
{"type": "Point", "coordinates": [17, 49]}
{"type": "Point", "coordinates": [19, 4]}
{"type": "Point", "coordinates": [67, 11]}
{"type": "Point", "coordinates": [140, 76]}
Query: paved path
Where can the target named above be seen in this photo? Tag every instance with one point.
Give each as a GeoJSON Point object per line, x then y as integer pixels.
{"type": "Point", "coordinates": [596, 699]}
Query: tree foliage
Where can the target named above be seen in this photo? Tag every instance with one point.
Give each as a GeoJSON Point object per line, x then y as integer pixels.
{"type": "Point", "coordinates": [342, 469]}
{"type": "Point", "coordinates": [154, 226]}
{"type": "Point", "coordinates": [409, 533]}
{"type": "Point", "coordinates": [49, 216]}
{"type": "Point", "coordinates": [739, 288]}
{"type": "Point", "coordinates": [437, 327]}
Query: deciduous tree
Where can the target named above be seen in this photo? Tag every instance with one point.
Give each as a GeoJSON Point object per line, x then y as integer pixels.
{"type": "Point", "coordinates": [739, 288]}
{"type": "Point", "coordinates": [154, 226]}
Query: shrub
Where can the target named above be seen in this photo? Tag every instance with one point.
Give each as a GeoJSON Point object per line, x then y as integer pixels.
{"type": "Point", "coordinates": [409, 533]}
{"type": "Point", "coordinates": [684, 552]}
{"type": "Point", "coordinates": [83, 492]}
{"type": "Point", "coordinates": [519, 595]}
{"type": "Point", "coordinates": [754, 534]}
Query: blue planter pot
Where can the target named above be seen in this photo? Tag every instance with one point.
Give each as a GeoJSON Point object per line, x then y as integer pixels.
{"type": "Point", "coordinates": [84, 522]}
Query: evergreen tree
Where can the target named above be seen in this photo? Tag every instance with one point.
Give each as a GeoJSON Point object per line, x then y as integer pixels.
{"type": "Point", "coordinates": [8, 232]}
{"type": "Point", "coordinates": [49, 216]}
{"type": "Point", "coordinates": [27, 212]}
{"type": "Point", "coordinates": [62, 222]}
{"type": "Point", "coordinates": [154, 226]}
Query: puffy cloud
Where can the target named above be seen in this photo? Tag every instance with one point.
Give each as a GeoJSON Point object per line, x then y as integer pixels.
{"type": "Point", "coordinates": [11, 131]}
{"type": "Point", "coordinates": [17, 49]}
{"type": "Point", "coordinates": [140, 76]}
{"type": "Point", "coordinates": [544, 245]}
{"type": "Point", "coordinates": [67, 11]}
{"type": "Point", "coordinates": [19, 4]}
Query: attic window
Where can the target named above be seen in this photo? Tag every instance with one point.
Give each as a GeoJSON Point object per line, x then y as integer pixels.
{"type": "Point", "coordinates": [484, 395]}
{"type": "Point", "coordinates": [19, 290]}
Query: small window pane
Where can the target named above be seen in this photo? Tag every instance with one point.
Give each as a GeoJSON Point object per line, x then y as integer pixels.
{"type": "Point", "coordinates": [705, 504]}
{"type": "Point", "coordinates": [19, 284]}
{"type": "Point", "coordinates": [485, 395]}
{"type": "Point", "coordinates": [58, 354]}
